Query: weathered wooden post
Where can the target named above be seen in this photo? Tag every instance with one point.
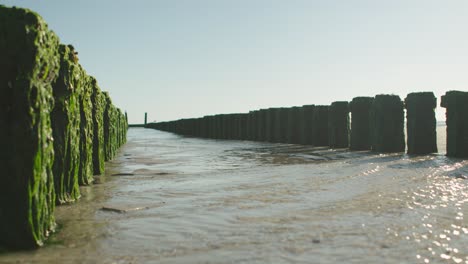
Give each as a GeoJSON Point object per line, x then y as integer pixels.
{"type": "Point", "coordinates": [65, 119]}
{"type": "Point", "coordinates": [261, 125]}
{"type": "Point", "coordinates": [456, 104]}
{"type": "Point", "coordinates": [360, 108]}
{"type": "Point", "coordinates": [338, 125]}
{"type": "Point", "coordinates": [421, 123]}
{"type": "Point", "coordinates": [29, 65]}
{"type": "Point", "coordinates": [269, 125]}
{"type": "Point", "coordinates": [146, 118]}
{"type": "Point", "coordinates": [99, 155]}
{"type": "Point", "coordinates": [294, 126]}
{"type": "Point", "coordinates": [276, 125]}
{"type": "Point", "coordinates": [244, 126]}
{"type": "Point", "coordinates": [308, 113]}
{"type": "Point", "coordinates": [320, 127]}
{"type": "Point", "coordinates": [387, 124]}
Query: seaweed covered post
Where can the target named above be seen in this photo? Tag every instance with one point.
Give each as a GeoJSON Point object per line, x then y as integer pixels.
{"type": "Point", "coordinates": [456, 104]}
{"type": "Point", "coordinates": [99, 104]}
{"type": "Point", "coordinates": [86, 171]}
{"type": "Point", "coordinates": [307, 115]}
{"type": "Point", "coordinates": [320, 127]}
{"type": "Point", "coordinates": [421, 123]}
{"type": "Point", "coordinates": [29, 65]}
{"type": "Point", "coordinates": [66, 119]}
{"type": "Point", "coordinates": [360, 108]}
{"type": "Point", "coordinates": [108, 127]}
{"type": "Point", "coordinates": [338, 125]}
{"type": "Point", "coordinates": [387, 124]}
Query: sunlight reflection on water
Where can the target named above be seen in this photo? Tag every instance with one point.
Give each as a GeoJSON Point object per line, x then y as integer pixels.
{"type": "Point", "coordinates": [209, 201]}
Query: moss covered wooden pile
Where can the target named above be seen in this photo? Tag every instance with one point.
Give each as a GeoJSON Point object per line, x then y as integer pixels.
{"type": "Point", "coordinates": [456, 105]}
{"type": "Point", "coordinates": [29, 65]}
{"type": "Point", "coordinates": [66, 119]}
{"type": "Point", "coordinates": [421, 123]}
{"type": "Point", "coordinates": [48, 110]}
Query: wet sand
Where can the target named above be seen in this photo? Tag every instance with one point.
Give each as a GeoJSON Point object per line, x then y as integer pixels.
{"type": "Point", "coordinates": [170, 199]}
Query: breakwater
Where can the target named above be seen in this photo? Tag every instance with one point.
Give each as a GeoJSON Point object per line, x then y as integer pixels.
{"type": "Point", "coordinates": [365, 123]}
{"type": "Point", "coordinates": [57, 128]}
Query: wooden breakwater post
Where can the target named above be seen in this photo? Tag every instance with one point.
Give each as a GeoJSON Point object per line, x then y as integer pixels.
{"type": "Point", "coordinates": [307, 115]}
{"type": "Point", "coordinates": [281, 125]}
{"type": "Point", "coordinates": [456, 105]}
{"type": "Point", "coordinates": [387, 124]}
{"type": "Point", "coordinates": [65, 119]}
{"type": "Point", "coordinates": [320, 127]}
{"type": "Point", "coordinates": [421, 123]}
{"type": "Point", "coordinates": [274, 125]}
{"type": "Point", "coordinates": [360, 108]}
{"type": "Point", "coordinates": [295, 125]}
{"type": "Point", "coordinates": [49, 112]}
{"type": "Point", "coordinates": [146, 118]}
{"type": "Point", "coordinates": [270, 124]}
{"type": "Point", "coordinates": [252, 126]}
{"type": "Point", "coordinates": [338, 125]}
{"type": "Point", "coordinates": [302, 119]}
{"type": "Point", "coordinates": [261, 125]}
{"type": "Point", "coordinates": [29, 65]}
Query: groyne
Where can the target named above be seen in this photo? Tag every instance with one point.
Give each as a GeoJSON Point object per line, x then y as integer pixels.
{"type": "Point", "coordinates": [364, 123]}
{"type": "Point", "coordinates": [57, 128]}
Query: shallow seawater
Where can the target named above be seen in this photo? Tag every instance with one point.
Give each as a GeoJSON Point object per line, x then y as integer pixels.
{"type": "Point", "coordinates": [172, 199]}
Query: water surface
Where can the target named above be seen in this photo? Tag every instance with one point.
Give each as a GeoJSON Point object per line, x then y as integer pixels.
{"type": "Point", "coordinates": [172, 199]}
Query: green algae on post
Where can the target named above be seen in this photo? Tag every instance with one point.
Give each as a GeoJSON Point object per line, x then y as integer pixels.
{"type": "Point", "coordinates": [98, 101]}
{"type": "Point", "coordinates": [65, 119]}
{"type": "Point", "coordinates": [421, 123]}
{"type": "Point", "coordinates": [338, 125]}
{"type": "Point", "coordinates": [456, 104]}
{"type": "Point", "coordinates": [86, 171]}
{"type": "Point", "coordinates": [387, 134]}
{"type": "Point", "coordinates": [29, 65]}
{"type": "Point", "coordinates": [360, 108]}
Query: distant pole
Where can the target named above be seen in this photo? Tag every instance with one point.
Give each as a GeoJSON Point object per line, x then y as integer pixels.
{"type": "Point", "coordinates": [146, 118]}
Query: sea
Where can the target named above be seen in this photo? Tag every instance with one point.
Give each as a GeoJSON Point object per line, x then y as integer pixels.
{"type": "Point", "coordinates": [166, 198]}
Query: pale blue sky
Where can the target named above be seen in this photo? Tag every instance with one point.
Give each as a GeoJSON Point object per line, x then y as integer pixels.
{"type": "Point", "coordinates": [188, 58]}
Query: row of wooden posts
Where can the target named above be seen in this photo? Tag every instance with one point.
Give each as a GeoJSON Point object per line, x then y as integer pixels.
{"type": "Point", "coordinates": [376, 123]}
{"type": "Point", "coordinates": [57, 128]}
